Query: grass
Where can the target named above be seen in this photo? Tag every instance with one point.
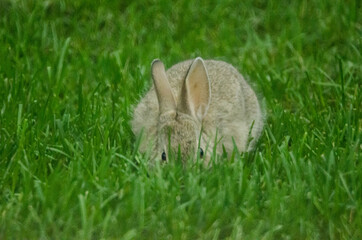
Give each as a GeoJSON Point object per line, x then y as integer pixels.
{"type": "Point", "coordinates": [71, 72]}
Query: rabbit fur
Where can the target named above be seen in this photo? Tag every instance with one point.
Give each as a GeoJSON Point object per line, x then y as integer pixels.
{"type": "Point", "coordinates": [197, 103]}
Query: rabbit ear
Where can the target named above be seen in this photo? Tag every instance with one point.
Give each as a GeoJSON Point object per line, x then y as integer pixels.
{"type": "Point", "coordinates": [166, 100]}
{"type": "Point", "coordinates": [196, 90]}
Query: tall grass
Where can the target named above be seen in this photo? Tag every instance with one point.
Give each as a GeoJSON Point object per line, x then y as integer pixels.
{"type": "Point", "coordinates": [71, 72]}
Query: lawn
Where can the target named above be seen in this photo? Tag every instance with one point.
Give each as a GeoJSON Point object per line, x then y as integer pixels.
{"type": "Point", "coordinates": [71, 73]}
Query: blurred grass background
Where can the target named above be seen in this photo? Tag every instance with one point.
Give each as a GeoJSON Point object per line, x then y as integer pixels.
{"type": "Point", "coordinates": [71, 72]}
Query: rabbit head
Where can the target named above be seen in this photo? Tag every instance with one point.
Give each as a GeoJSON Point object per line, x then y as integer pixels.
{"type": "Point", "coordinates": [180, 120]}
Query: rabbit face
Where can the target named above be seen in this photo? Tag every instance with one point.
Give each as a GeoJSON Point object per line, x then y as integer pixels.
{"type": "Point", "coordinates": [179, 124]}
{"type": "Point", "coordinates": [178, 135]}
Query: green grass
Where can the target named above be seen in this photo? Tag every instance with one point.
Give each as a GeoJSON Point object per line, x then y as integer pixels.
{"type": "Point", "coordinates": [71, 72]}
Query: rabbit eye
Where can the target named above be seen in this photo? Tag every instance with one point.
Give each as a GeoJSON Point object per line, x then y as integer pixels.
{"type": "Point", "coordinates": [163, 156]}
{"type": "Point", "coordinates": [201, 153]}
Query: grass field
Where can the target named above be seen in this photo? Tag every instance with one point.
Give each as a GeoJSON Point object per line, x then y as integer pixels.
{"type": "Point", "coordinates": [72, 71]}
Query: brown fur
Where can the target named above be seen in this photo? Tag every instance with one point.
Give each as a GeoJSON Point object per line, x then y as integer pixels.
{"type": "Point", "coordinates": [209, 94]}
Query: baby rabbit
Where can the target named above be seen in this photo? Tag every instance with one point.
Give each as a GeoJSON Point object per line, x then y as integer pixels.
{"type": "Point", "coordinates": [193, 106]}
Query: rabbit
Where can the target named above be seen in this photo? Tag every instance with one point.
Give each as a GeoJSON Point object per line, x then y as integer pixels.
{"type": "Point", "coordinates": [196, 107]}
